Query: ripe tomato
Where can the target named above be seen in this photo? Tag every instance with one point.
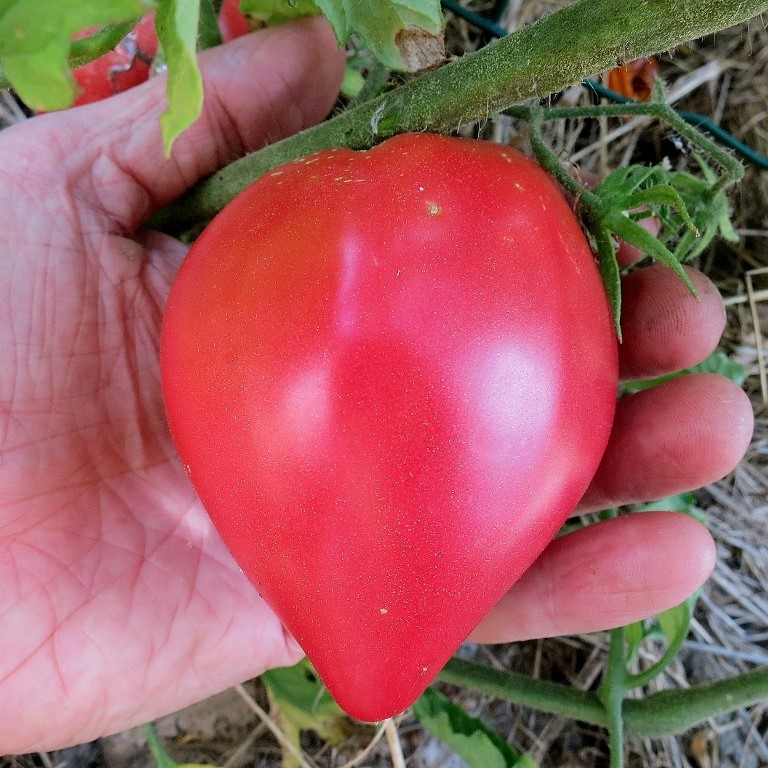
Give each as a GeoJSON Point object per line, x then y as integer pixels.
{"type": "Point", "coordinates": [232, 22]}
{"type": "Point", "coordinates": [129, 63]}
{"type": "Point", "coordinates": [124, 67]}
{"type": "Point", "coordinates": [390, 376]}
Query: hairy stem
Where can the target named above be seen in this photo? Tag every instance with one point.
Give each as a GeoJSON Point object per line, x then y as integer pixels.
{"type": "Point", "coordinates": [554, 698]}
{"type": "Point", "coordinates": [561, 49]}
{"type": "Point", "coordinates": [659, 714]}
{"type": "Point", "coordinates": [612, 691]}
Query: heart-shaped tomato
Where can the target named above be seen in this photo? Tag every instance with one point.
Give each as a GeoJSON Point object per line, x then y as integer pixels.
{"type": "Point", "coordinates": [390, 375]}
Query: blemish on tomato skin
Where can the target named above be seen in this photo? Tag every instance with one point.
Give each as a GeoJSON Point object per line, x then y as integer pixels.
{"type": "Point", "coordinates": [433, 209]}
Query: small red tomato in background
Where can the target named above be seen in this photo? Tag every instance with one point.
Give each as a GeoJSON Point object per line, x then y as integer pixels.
{"type": "Point", "coordinates": [232, 22]}
{"type": "Point", "coordinates": [635, 79]}
{"type": "Point", "coordinates": [391, 376]}
{"type": "Point", "coordinates": [129, 64]}
{"type": "Point", "coordinates": [124, 67]}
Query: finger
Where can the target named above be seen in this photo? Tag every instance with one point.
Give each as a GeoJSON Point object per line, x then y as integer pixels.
{"type": "Point", "coordinates": [604, 576]}
{"type": "Point", "coordinates": [666, 329]}
{"type": "Point", "coordinates": [258, 89]}
{"type": "Point", "coordinates": [675, 437]}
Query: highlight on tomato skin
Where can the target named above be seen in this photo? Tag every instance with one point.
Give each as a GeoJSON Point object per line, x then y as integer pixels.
{"type": "Point", "coordinates": [635, 79]}
{"type": "Point", "coordinates": [391, 376]}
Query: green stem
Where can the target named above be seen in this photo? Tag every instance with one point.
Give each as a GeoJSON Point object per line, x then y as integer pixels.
{"type": "Point", "coordinates": [585, 37]}
{"type": "Point", "coordinates": [543, 695]}
{"type": "Point", "coordinates": [662, 111]}
{"type": "Point", "coordinates": [659, 714]}
{"type": "Point", "coordinates": [612, 691]}
{"type": "Point", "coordinates": [641, 679]}
{"type": "Point", "coordinates": [674, 711]}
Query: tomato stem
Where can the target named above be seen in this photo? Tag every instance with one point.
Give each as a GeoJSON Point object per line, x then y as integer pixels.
{"type": "Point", "coordinates": [209, 34]}
{"type": "Point", "coordinates": [578, 40]}
{"type": "Point", "coordinates": [542, 695]}
{"type": "Point", "coordinates": [664, 713]}
{"type": "Point", "coordinates": [612, 691]}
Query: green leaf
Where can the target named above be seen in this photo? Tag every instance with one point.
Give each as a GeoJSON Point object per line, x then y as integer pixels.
{"type": "Point", "coordinates": [379, 27]}
{"type": "Point", "coordinates": [633, 234]}
{"type": "Point", "coordinates": [691, 210]}
{"type": "Point", "coordinates": [473, 741]}
{"type": "Point", "coordinates": [272, 12]}
{"type": "Point", "coordinates": [680, 502]}
{"type": "Point", "coordinates": [610, 273]}
{"type": "Point", "coordinates": [663, 195]}
{"type": "Point", "coordinates": [674, 625]}
{"type": "Point", "coordinates": [634, 634]}
{"type": "Point", "coordinates": [353, 83]}
{"type": "Point", "coordinates": [300, 702]}
{"type": "Point", "coordinates": [35, 38]}
{"type": "Point", "coordinates": [717, 362]}
{"type": "Point", "coordinates": [209, 34]}
{"type": "Point", "coordinates": [675, 622]}
{"type": "Point", "coordinates": [177, 24]}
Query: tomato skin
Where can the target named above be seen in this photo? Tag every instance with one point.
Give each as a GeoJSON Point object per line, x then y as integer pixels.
{"type": "Point", "coordinates": [126, 66]}
{"type": "Point", "coordinates": [129, 64]}
{"type": "Point", "coordinates": [232, 22]}
{"type": "Point", "coordinates": [391, 376]}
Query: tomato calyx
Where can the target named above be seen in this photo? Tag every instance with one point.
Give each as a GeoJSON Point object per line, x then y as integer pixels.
{"type": "Point", "coordinates": [689, 210]}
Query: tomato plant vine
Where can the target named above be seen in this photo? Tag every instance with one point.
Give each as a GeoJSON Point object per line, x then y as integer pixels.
{"type": "Point", "coordinates": [583, 38]}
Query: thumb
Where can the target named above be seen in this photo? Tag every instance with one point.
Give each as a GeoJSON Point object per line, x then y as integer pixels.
{"type": "Point", "coordinates": [258, 89]}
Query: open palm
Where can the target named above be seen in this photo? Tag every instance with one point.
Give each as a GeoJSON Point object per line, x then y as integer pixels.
{"type": "Point", "coordinates": [118, 601]}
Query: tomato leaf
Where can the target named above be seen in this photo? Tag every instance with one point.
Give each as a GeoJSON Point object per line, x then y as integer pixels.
{"type": "Point", "coordinates": [674, 622]}
{"type": "Point", "coordinates": [472, 740]}
{"type": "Point", "coordinates": [633, 234]}
{"type": "Point", "coordinates": [610, 272]}
{"type": "Point", "coordinates": [35, 39]}
{"type": "Point", "coordinates": [177, 25]}
{"type": "Point", "coordinates": [398, 34]}
{"type": "Point", "coordinates": [278, 11]}
{"type": "Point", "coordinates": [717, 362]}
{"type": "Point", "coordinates": [634, 636]}
{"type": "Point", "coordinates": [300, 702]}
{"type": "Point", "coordinates": [209, 32]}
{"type": "Point", "coordinates": [674, 625]}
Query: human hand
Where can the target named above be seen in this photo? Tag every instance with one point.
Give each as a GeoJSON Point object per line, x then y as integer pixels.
{"type": "Point", "coordinates": [119, 601]}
